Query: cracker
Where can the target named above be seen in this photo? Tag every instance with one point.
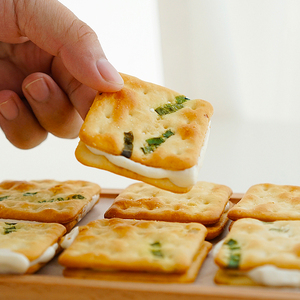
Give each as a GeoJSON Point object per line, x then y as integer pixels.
{"type": "Point", "coordinates": [187, 277]}
{"type": "Point", "coordinates": [31, 240]}
{"type": "Point", "coordinates": [64, 202]}
{"type": "Point", "coordinates": [252, 244]}
{"type": "Point", "coordinates": [268, 202]}
{"type": "Point", "coordinates": [214, 230]}
{"type": "Point", "coordinates": [131, 124]}
{"type": "Point", "coordinates": [135, 246]}
{"type": "Point", "coordinates": [204, 203]}
{"type": "Point", "coordinates": [233, 278]}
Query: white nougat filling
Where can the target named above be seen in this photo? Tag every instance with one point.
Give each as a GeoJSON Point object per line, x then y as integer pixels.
{"type": "Point", "coordinates": [273, 276]}
{"type": "Point", "coordinates": [182, 178]}
{"type": "Point", "coordinates": [88, 207]}
{"type": "Point", "coordinates": [16, 263]}
{"type": "Point", "coordinates": [69, 238]}
{"type": "Point", "coordinates": [268, 274]}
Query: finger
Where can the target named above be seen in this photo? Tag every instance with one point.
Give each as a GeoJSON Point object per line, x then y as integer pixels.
{"type": "Point", "coordinates": [55, 29]}
{"type": "Point", "coordinates": [51, 106]}
{"type": "Point", "coordinates": [18, 122]}
{"type": "Point", "coordinates": [75, 90]}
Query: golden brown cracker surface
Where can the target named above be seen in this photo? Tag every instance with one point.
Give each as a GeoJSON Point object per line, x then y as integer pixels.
{"type": "Point", "coordinates": [268, 202]}
{"type": "Point", "coordinates": [204, 203]}
{"type": "Point", "coordinates": [30, 239]}
{"type": "Point", "coordinates": [252, 243]}
{"type": "Point", "coordinates": [187, 277]}
{"type": "Point", "coordinates": [139, 109]}
{"type": "Point", "coordinates": [133, 245]}
{"type": "Point", "coordinates": [62, 202]}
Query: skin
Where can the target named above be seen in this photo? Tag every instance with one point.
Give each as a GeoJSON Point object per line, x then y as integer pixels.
{"type": "Point", "coordinates": [51, 65]}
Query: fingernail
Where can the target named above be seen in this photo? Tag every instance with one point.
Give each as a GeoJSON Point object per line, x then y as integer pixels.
{"type": "Point", "coordinates": [9, 110]}
{"type": "Point", "coordinates": [108, 72]}
{"type": "Point", "coordinates": [38, 90]}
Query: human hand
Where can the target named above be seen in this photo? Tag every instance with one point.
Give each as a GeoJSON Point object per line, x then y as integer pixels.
{"type": "Point", "coordinates": [51, 65]}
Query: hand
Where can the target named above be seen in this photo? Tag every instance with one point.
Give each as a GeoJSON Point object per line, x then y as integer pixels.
{"type": "Point", "coordinates": [51, 65]}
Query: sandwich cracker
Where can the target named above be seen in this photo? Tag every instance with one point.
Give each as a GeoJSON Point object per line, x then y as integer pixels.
{"type": "Point", "coordinates": [252, 244]}
{"type": "Point", "coordinates": [268, 202]}
{"type": "Point", "coordinates": [119, 245]}
{"type": "Point", "coordinates": [149, 125]}
{"type": "Point", "coordinates": [64, 202]}
{"type": "Point", "coordinates": [204, 203]}
{"type": "Point", "coordinates": [30, 239]}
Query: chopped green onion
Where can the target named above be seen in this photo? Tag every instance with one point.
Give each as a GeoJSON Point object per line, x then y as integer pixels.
{"type": "Point", "coordinates": [153, 143]}
{"type": "Point", "coordinates": [172, 107]}
{"type": "Point", "coordinates": [235, 254]}
{"type": "Point", "coordinates": [78, 196]}
{"type": "Point", "coordinates": [156, 249]}
{"type": "Point", "coordinates": [29, 194]}
{"type": "Point", "coordinates": [128, 144]}
{"type": "Point", "coordinates": [10, 228]}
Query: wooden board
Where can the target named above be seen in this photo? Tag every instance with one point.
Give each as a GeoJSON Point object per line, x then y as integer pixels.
{"type": "Point", "coordinates": [49, 283]}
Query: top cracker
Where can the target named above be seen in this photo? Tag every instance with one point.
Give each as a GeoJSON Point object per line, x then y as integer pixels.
{"type": "Point", "coordinates": [147, 124]}
{"type": "Point", "coordinates": [268, 202]}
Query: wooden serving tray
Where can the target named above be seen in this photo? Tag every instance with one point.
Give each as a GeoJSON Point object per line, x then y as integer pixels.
{"type": "Point", "coordinates": [49, 283]}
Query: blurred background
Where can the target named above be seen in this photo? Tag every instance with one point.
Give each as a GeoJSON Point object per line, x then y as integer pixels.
{"type": "Point", "coordinates": [242, 56]}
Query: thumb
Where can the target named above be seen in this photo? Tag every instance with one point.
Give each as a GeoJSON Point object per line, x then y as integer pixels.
{"type": "Point", "coordinates": [55, 29]}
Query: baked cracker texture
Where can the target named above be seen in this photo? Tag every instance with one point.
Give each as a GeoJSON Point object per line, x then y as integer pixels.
{"type": "Point", "coordinates": [122, 249]}
{"type": "Point", "coordinates": [251, 244]}
{"type": "Point", "coordinates": [148, 124]}
{"type": "Point", "coordinates": [64, 202]}
{"type": "Point", "coordinates": [205, 203]}
{"type": "Point", "coordinates": [214, 230]}
{"type": "Point", "coordinates": [30, 239]}
{"type": "Point", "coordinates": [268, 202]}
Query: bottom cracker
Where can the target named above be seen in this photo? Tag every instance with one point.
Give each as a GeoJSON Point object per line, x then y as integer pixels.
{"type": "Point", "coordinates": [85, 210]}
{"type": "Point", "coordinates": [90, 159]}
{"type": "Point", "coordinates": [216, 229]}
{"type": "Point", "coordinates": [231, 278]}
{"type": "Point", "coordinates": [38, 266]}
{"type": "Point", "coordinates": [187, 277]}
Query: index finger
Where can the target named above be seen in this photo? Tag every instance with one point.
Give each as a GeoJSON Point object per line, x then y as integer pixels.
{"type": "Point", "coordinates": [55, 29]}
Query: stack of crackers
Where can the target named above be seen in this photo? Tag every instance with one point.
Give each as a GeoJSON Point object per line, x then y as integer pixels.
{"type": "Point", "coordinates": [156, 230]}
{"type": "Point", "coordinates": [262, 247]}
{"type": "Point", "coordinates": [137, 250]}
{"type": "Point", "coordinates": [34, 215]}
{"type": "Point", "coordinates": [206, 203]}
{"type": "Point", "coordinates": [158, 136]}
{"type": "Point", "coordinates": [150, 234]}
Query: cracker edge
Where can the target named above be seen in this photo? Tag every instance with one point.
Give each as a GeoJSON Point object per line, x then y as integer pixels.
{"type": "Point", "coordinates": [90, 159]}
{"type": "Point", "coordinates": [187, 277]}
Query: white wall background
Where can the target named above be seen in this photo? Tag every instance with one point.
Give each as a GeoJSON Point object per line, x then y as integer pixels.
{"type": "Point", "coordinates": [242, 56]}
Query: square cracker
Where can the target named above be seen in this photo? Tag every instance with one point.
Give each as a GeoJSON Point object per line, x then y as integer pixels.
{"type": "Point", "coordinates": [64, 202]}
{"type": "Point", "coordinates": [268, 202]}
{"type": "Point", "coordinates": [133, 110]}
{"type": "Point", "coordinates": [252, 243]}
{"type": "Point", "coordinates": [204, 203]}
{"type": "Point", "coordinates": [187, 277]}
{"type": "Point", "coordinates": [30, 239]}
{"type": "Point", "coordinates": [132, 245]}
